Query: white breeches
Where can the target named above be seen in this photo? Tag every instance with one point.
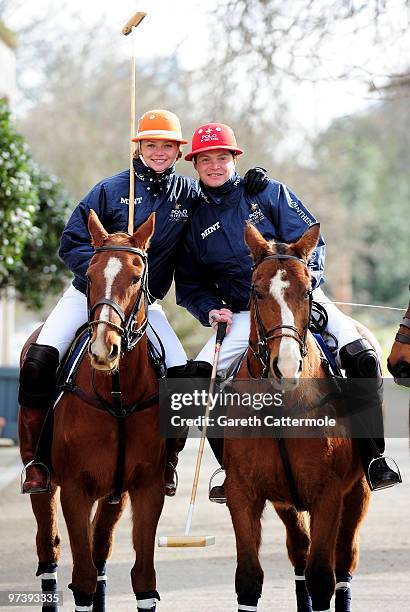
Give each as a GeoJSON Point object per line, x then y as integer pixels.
{"type": "Point", "coordinates": [71, 312]}
{"type": "Point", "coordinates": [236, 341]}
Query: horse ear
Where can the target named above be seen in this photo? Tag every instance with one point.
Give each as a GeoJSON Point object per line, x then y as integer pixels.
{"type": "Point", "coordinates": [257, 244]}
{"type": "Point", "coordinates": [97, 231]}
{"type": "Point", "coordinates": [307, 243]}
{"type": "Point", "coordinates": [142, 236]}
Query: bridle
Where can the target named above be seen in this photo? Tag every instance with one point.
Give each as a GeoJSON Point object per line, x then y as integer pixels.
{"type": "Point", "coordinates": [262, 353]}
{"type": "Point", "coordinates": [404, 338]}
{"type": "Point", "coordinates": [129, 331]}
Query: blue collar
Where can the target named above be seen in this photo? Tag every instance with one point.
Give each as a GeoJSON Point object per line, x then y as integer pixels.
{"type": "Point", "coordinates": [145, 173]}
{"type": "Point", "coordinates": [217, 195]}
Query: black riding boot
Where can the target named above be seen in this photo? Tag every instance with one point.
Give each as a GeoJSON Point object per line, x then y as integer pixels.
{"type": "Point", "coordinates": [360, 361]}
{"type": "Point", "coordinates": [192, 369]}
{"type": "Point", "coordinates": [37, 382]}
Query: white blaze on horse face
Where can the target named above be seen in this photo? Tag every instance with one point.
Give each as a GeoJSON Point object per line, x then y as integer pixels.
{"type": "Point", "coordinates": [289, 353]}
{"type": "Point", "coordinates": [111, 271]}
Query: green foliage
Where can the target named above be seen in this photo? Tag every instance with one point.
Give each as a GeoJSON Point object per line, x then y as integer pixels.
{"type": "Point", "coordinates": [42, 273]}
{"type": "Point", "coordinates": [18, 196]}
{"type": "Point", "coordinates": [365, 160]}
{"type": "Point", "coordinates": [33, 210]}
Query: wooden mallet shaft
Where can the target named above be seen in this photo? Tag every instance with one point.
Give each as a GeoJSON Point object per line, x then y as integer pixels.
{"type": "Point", "coordinates": [133, 22]}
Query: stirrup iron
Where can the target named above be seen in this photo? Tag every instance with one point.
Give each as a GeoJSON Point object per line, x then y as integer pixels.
{"type": "Point", "coordinates": [387, 486]}
{"type": "Point", "coordinates": [23, 477]}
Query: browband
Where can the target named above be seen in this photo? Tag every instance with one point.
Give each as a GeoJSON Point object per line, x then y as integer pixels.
{"type": "Point", "coordinates": [140, 252]}
{"type": "Point", "coordinates": [282, 256]}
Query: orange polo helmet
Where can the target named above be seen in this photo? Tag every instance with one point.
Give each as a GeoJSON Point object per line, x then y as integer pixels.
{"type": "Point", "coordinates": [159, 124]}
{"type": "Point", "coordinates": [212, 136]}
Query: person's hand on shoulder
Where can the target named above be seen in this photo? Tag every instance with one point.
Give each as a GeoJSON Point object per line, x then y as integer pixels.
{"type": "Point", "coordinates": [255, 180]}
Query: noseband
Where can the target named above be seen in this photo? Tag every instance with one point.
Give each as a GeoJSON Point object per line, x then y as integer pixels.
{"type": "Point", "coordinates": [128, 330]}
{"type": "Point", "coordinates": [279, 331]}
{"type": "Point", "coordinates": [403, 338]}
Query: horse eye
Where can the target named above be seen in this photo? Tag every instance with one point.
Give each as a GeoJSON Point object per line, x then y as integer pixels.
{"type": "Point", "coordinates": [135, 280]}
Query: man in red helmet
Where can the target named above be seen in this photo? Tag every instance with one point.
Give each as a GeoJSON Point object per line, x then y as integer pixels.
{"type": "Point", "coordinates": [213, 276]}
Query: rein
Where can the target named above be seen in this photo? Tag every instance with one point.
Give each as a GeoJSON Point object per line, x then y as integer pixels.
{"type": "Point", "coordinates": [262, 353]}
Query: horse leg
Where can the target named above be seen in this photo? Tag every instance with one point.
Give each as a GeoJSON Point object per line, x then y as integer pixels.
{"type": "Point", "coordinates": [324, 525]}
{"type": "Point", "coordinates": [104, 521]}
{"type": "Point", "coordinates": [297, 543]}
{"type": "Point", "coordinates": [147, 503]}
{"type": "Point", "coordinates": [77, 507]}
{"type": "Point", "coordinates": [246, 515]}
{"type": "Point", "coordinates": [355, 506]}
{"type": "Point", "coordinates": [47, 541]}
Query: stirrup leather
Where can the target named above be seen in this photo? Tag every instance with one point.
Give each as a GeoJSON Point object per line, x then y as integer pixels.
{"type": "Point", "coordinates": [23, 476]}
{"type": "Point", "coordinates": [386, 486]}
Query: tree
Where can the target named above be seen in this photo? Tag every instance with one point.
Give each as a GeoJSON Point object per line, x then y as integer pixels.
{"type": "Point", "coordinates": [364, 161]}
{"type": "Point", "coordinates": [261, 47]}
{"type": "Point", "coordinates": [42, 273]}
{"type": "Point", "coordinates": [33, 210]}
{"type": "Point", "coordinates": [18, 196]}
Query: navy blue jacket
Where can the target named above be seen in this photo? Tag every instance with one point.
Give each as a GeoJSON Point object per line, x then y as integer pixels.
{"type": "Point", "coordinates": [214, 263]}
{"type": "Point", "coordinates": [172, 197]}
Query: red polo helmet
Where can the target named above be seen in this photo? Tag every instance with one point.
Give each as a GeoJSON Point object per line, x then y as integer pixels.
{"type": "Point", "coordinates": [212, 136]}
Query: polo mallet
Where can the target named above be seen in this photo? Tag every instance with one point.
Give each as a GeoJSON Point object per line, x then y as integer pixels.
{"type": "Point", "coordinates": [129, 27]}
{"type": "Point", "coordinates": [188, 540]}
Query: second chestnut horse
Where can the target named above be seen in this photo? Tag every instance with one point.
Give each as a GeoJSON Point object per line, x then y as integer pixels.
{"type": "Point", "coordinates": [327, 471]}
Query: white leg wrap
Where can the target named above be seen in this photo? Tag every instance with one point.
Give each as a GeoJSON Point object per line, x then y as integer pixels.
{"type": "Point", "coordinates": [299, 577]}
{"type": "Point", "coordinates": [247, 608]}
{"type": "Point", "coordinates": [343, 585]}
{"type": "Point", "coordinates": [48, 576]}
{"type": "Point", "coordinates": [146, 604]}
{"type": "Point", "coordinates": [102, 578]}
{"type": "Point", "coordinates": [84, 609]}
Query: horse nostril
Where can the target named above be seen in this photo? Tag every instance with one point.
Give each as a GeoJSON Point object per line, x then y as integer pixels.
{"type": "Point", "coordinates": [300, 367]}
{"type": "Point", "coordinates": [114, 352]}
{"type": "Point", "coordinates": [275, 368]}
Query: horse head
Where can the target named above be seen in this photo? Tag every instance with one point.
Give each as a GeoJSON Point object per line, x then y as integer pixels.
{"type": "Point", "coordinates": [117, 286]}
{"type": "Point", "coordinates": [281, 298]}
{"type": "Point", "coordinates": [398, 362]}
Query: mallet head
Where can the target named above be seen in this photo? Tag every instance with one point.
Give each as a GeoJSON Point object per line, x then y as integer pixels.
{"type": "Point", "coordinates": [133, 22]}
{"type": "Point", "coordinates": [185, 541]}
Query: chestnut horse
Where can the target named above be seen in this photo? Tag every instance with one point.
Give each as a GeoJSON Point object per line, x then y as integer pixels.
{"type": "Point", "coordinates": [86, 432]}
{"type": "Point", "coordinates": [327, 472]}
{"type": "Point", "coordinates": [398, 362]}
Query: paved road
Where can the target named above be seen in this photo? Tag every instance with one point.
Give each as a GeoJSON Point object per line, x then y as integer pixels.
{"type": "Point", "coordinates": [203, 579]}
